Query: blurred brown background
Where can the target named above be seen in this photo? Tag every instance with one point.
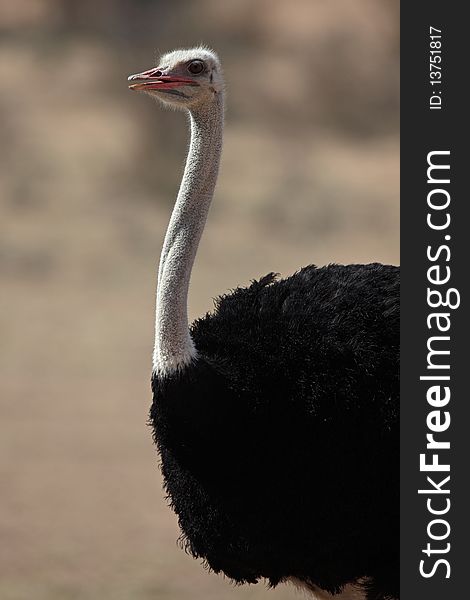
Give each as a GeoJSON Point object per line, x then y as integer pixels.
{"type": "Point", "coordinates": [88, 173]}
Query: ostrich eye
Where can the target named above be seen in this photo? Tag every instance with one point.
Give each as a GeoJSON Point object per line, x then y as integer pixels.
{"type": "Point", "coordinates": [195, 67]}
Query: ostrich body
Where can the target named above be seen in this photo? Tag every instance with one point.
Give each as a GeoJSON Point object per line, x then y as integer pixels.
{"type": "Point", "coordinates": [275, 416]}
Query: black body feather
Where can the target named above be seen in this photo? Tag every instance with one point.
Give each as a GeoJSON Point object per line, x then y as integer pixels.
{"type": "Point", "coordinates": [279, 445]}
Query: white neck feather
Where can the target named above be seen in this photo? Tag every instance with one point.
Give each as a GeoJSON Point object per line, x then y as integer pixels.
{"type": "Point", "coordinates": [174, 347]}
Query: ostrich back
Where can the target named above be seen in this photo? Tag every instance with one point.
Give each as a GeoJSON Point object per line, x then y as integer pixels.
{"type": "Point", "coordinates": [279, 443]}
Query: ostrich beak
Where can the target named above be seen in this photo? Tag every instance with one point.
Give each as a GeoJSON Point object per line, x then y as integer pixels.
{"type": "Point", "coordinates": [154, 80]}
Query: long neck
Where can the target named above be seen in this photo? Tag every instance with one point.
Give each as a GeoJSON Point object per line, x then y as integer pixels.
{"type": "Point", "coordinates": [174, 347]}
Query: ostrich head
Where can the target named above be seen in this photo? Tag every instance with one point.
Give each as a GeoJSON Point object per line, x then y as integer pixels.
{"type": "Point", "coordinates": [183, 78]}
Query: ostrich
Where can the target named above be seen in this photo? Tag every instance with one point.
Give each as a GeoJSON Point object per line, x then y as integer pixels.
{"type": "Point", "coordinates": [276, 415]}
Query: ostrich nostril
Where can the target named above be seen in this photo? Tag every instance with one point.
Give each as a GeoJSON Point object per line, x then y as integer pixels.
{"type": "Point", "coordinates": [157, 74]}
